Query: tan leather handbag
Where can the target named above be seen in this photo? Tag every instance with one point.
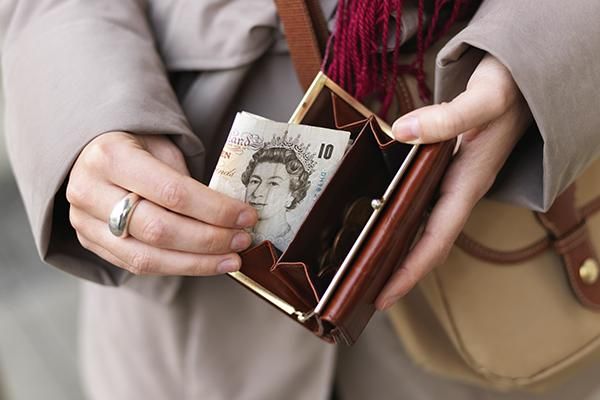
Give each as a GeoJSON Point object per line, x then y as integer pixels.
{"type": "Point", "coordinates": [518, 308]}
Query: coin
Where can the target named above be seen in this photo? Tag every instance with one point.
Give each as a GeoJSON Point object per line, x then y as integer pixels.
{"type": "Point", "coordinates": [327, 274]}
{"type": "Point", "coordinates": [327, 269]}
{"type": "Point", "coordinates": [358, 213]}
{"type": "Point", "coordinates": [343, 242]}
{"type": "Point", "coordinates": [324, 260]}
{"type": "Point", "coordinates": [326, 236]}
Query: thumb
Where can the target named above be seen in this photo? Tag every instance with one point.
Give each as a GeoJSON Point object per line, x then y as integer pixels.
{"type": "Point", "coordinates": [487, 97]}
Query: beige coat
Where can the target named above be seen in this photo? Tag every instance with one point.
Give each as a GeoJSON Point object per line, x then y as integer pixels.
{"type": "Point", "coordinates": [73, 70]}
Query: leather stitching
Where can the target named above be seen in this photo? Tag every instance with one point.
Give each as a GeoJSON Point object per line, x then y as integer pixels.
{"type": "Point", "coordinates": [571, 240]}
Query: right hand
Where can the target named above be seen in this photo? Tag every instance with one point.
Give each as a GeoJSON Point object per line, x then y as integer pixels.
{"type": "Point", "coordinates": [180, 227]}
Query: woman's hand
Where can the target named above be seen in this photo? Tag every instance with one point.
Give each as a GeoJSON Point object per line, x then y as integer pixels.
{"type": "Point", "coordinates": [491, 115]}
{"type": "Point", "coordinates": [180, 227]}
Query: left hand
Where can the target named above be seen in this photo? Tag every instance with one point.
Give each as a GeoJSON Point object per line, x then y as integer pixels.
{"type": "Point", "coordinates": [492, 115]}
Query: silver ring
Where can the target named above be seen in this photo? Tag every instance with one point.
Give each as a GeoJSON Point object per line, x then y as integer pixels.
{"type": "Point", "coordinates": [118, 222]}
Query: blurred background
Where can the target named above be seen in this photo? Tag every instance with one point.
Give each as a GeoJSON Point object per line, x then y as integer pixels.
{"type": "Point", "coordinates": [38, 309]}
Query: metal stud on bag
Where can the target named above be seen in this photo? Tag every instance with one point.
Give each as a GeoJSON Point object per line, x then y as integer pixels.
{"type": "Point", "coordinates": [589, 271]}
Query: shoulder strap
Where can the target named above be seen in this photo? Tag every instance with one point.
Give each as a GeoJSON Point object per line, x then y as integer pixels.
{"type": "Point", "coordinates": [307, 34]}
{"type": "Point", "coordinates": [568, 235]}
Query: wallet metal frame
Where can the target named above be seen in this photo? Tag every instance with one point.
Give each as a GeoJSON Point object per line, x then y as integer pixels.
{"type": "Point", "coordinates": [322, 81]}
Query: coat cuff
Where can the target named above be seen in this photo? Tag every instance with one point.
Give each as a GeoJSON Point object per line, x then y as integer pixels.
{"type": "Point", "coordinates": [551, 66]}
{"type": "Point", "coordinates": [65, 84]}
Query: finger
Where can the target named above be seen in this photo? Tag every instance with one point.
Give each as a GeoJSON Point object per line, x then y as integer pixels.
{"type": "Point", "coordinates": [489, 94]}
{"type": "Point", "coordinates": [89, 245]}
{"type": "Point", "coordinates": [159, 227]}
{"type": "Point", "coordinates": [445, 223]}
{"type": "Point", "coordinates": [469, 177]}
{"type": "Point", "coordinates": [138, 171]}
{"type": "Point", "coordinates": [142, 259]}
{"type": "Point", "coordinates": [165, 150]}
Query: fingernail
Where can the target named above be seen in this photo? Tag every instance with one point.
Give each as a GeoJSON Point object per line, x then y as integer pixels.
{"type": "Point", "coordinates": [246, 219]}
{"type": "Point", "coordinates": [407, 129]}
{"type": "Point", "coordinates": [388, 303]}
{"type": "Point", "coordinates": [228, 265]}
{"type": "Point", "coordinates": [240, 241]}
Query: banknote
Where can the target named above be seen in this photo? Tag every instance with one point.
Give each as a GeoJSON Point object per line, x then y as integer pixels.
{"type": "Point", "coordinates": [278, 168]}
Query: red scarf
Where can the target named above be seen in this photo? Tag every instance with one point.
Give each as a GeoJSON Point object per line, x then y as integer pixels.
{"type": "Point", "coordinates": [360, 66]}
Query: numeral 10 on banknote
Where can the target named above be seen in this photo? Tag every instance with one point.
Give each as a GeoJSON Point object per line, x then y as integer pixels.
{"type": "Point", "coordinates": [325, 151]}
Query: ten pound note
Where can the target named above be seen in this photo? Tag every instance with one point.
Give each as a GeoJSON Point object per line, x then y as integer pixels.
{"type": "Point", "coordinates": [280, 169]}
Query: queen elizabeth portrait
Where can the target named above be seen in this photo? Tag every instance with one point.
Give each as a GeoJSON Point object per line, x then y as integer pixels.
{"type": "Point", "coordinates": [276, 181]}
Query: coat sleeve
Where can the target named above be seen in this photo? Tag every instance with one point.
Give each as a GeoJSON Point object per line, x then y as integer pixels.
{"type": "Point", "coordinates": [551, 49]}
{"type": "Point", "coordinates": [73, 70]}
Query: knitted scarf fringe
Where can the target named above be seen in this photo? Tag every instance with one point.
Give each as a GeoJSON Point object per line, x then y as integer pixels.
{"type": "Point", "coordinates": [359, 61]}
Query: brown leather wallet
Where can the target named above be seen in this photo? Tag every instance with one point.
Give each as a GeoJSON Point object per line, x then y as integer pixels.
{"type": "Point", "coordinates": [334, 268]}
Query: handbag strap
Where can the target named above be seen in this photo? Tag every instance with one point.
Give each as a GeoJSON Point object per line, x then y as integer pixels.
{"type": "Point", "coordinates": [567, 235]}
{"type": "Point", "coordinates": [307, 34]}
{"type": "Point", "coordinates": [478, 250]}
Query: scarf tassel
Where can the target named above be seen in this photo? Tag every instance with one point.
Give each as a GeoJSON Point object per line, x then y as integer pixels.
{"type": "Point", "coordinates": [361, 61]}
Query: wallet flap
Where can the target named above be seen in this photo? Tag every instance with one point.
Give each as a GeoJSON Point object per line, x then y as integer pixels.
{"type": "Point", "coordinates": [298, 278]}
{"type": "Point", "coordinates": [257, 264]}
{"type": "Point", "coordinates": [394, 152]}
{"type": "Point", "coordinates": [383, 140]}
{"type": "Point", "coordinates": [344, 115]}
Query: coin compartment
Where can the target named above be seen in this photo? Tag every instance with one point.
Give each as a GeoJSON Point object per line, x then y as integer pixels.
{"type": "Point", "coordinates": [350, 182]}
{"type": "Point", "coordinates": [365, 171]}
